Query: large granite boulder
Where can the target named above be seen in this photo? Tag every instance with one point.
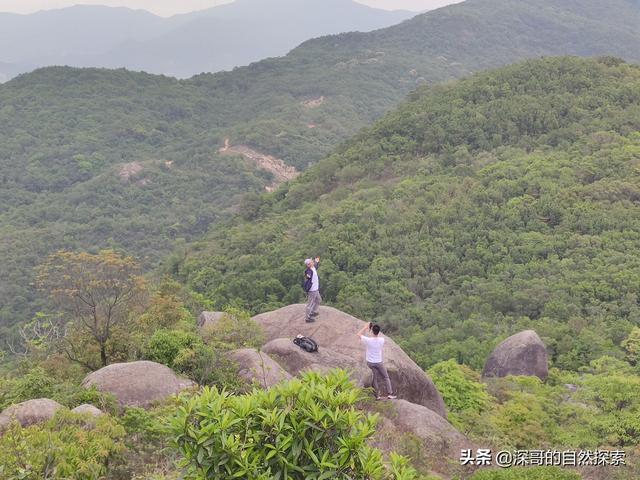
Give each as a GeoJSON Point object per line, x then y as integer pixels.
{"type": "Point", "coordinates": [87, 409]}
{"type": "Point", "coordinates": [407, 425]}
{"type": "Point", "coordinates": [521, 354]}
{"type": "Point", "coordinates": [339, 347]}
{"type": "Point", "coordinates": [208, 320]}
{"type": "Point", "coordinates": [295, 360]}
{"type": "Point", "coordinates": [30, 412]}
{"type": "Point", "coordinates": [258, 368]}
{"type": "Point", "coordinates": [137, 384]}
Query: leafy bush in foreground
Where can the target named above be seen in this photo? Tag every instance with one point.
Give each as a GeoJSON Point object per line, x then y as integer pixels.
{"type": "Point", "coordinates": [67, 447]}
{"type": "Point", "coordinates": [541, 473]}
{"type": "Point", "coordinates": [304, 429]}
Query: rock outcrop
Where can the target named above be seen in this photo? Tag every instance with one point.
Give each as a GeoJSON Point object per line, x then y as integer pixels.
{"type": "Point", "coordinates": [335, 332]}
{"type": "Point", "coordinates": [521, 354]}
{"type": "Point", "coordinates": [31, 412]}
{"type": "Point", "coordinates": [137, 384]}
{"type": "Point", "coordinates": [209, 319]}
{"type": "Point", "coordinates": [415, 427]}
{"type": "Point", "coordinates": [87, 409]}
{"type": "Point", "coordinates": [258, 368]}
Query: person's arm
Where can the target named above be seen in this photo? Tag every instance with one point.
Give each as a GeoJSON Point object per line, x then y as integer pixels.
{"type": "Point", "coordinates": [363, 329]}
{"type": "Point", "coordinates": [317, 262]}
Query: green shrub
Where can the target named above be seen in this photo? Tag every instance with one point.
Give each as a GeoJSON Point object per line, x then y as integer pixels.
{"type": "Point", "coordinates": [306, 428]}
{"type": "Point", "coordinates": [165, 345]}
{"type": "Point", "coordinates": [460, 387]}
{"type": "Point", "coordinates": [142, 423]}
{"type": "Point", "coordinates": [209, 366]}
{"type": "Point", "coordinates": [36, 383]}
{"type": "Point", "coordinates": [535, 473]}
{"type": "Point", "coordinates": [65, 448]}
{"type": "Point", "coordinates": [236, 329]}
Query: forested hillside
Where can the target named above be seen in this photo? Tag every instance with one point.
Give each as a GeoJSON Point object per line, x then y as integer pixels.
{"type": "Point", "coordinates": [361, 76]}
{"type": "Point", "coordinates": [98, 158]}
{"type": "Point", "coordinates": [506, 201]}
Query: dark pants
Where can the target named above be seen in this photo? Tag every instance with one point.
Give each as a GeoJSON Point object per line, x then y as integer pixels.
{"type": "Point", "coordinates": [380, 374]}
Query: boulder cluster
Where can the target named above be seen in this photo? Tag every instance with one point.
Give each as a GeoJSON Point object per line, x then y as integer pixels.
{"type": "Point", "coordinates": [419, 411]}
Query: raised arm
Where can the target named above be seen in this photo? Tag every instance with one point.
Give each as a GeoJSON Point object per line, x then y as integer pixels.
{"type": "Point", "coordinates": [363, 329]}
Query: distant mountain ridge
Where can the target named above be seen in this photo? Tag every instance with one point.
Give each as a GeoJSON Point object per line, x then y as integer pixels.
{"type": "Point", "coordinates": [210, 40]}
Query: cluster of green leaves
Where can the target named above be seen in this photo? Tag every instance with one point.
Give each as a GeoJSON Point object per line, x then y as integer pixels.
{"type": "Point", "coordinates": [201, 355]}
{"type": "Point", "coordinates": [162, 329]}
{"type": "Point", "coordinates": [595, 408]}
{"type": "Point", "coordinates": [536, 473]}
{"type": "Point", "coordinates": [67, 132]}
{"type": "Point", "coordinates": [69, 447]}
{"type": "Point", "coordinates": [307, 428]}
{"type": "Point", "coordinates": [37, 383]}
{"type": "Point", "coordinates": [466, 397]}
{"type": "Point", "coordinates": [505, 201]}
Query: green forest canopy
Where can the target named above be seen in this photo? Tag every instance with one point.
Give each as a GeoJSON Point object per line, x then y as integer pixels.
{"type": "Point", "coordinates": [66, 133]}
{"type": "Point", "coordinates": [505, 201]}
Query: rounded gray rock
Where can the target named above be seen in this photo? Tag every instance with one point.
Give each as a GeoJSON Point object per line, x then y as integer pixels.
{"type": "Point", "coordinates": [137, 384]}
{"type": "Point", "coordinates": [87, 409]}
{"type": "Point", "coordinates": [439, 441]}
{"type": "Point", "coordinates": [31, 412]}
{"type": "Point", "coordinates": [521, 354]}
{"type": "Point", "coordinates": [339, 347]}
{"type": "Point", "coordinates": [208, 320]}
{"type": "Point", "coordinates": [258, 368]}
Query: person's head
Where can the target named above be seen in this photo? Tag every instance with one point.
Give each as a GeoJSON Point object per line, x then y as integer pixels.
{"type": "Point", "coordinates": [308, 262]}
{"type": "Point", "coordinates": [375, 329]}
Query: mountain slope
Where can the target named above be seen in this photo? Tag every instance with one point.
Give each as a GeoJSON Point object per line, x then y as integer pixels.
{"type": "Point", "coordinates": [206, 41]}
{"type": "Point", "coordinates": [506, 201]}
{"type": "Point", "coordinates": [67, 133]}
{"type": "Point", "coordinates": [361, 76]}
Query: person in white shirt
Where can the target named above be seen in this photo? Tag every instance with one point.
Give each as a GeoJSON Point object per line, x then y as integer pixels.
{"type": "Point", "coordinates": [374, 359]}
{"type": "Point", "coordinates": [312, 287]}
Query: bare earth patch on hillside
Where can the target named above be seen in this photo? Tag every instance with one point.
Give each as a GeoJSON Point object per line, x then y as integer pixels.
{"type": "Point", "coordinates": [280, 170]}
{"type": "Point", "coordinates": [129, 170]}
{"type": "Point", "coordinates": [314, 102]}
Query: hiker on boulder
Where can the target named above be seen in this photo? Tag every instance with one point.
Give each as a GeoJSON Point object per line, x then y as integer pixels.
{"type": "Point", "coordinates": [312, 287]}
{"type": "Point", "coordinates": [374, 346]}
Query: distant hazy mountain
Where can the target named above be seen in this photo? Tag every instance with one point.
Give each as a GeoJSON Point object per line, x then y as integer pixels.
{"type": "Point", "coordinates": [210, 40]}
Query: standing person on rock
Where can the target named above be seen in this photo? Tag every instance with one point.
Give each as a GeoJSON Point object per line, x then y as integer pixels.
{"type": "Point", "coordinates": [312, 287]}
{"type": "Point", "coordinates": [374, 346]}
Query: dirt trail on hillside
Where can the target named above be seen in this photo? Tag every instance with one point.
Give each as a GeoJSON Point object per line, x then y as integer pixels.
{"type": "Point", "coordinates": [280, 170]}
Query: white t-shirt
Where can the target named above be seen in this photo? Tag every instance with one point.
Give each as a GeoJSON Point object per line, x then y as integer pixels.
{"type": "Point", "coordinates": [374, 348]}
{"type": "Point", "coordinates": [315, 281]}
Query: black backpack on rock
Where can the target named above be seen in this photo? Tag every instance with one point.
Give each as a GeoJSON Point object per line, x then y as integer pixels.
{"type": "Point", "coordinates": [308, 344]}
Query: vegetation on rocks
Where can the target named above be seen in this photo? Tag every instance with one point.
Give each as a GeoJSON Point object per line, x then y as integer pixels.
{"type": "Point", "coordinates": [307, 428]}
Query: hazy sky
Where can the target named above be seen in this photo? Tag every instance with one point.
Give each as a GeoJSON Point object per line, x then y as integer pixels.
{"type": "Point", "coordinates": [170, 7]}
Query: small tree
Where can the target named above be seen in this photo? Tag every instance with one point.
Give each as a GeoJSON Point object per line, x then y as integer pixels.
{"type": "Point", "coordinates": [96, 294]}
{"type": "Point", "coordinates": [304, 429]}
{"type": "Point", "coordinates": [632, 346]}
